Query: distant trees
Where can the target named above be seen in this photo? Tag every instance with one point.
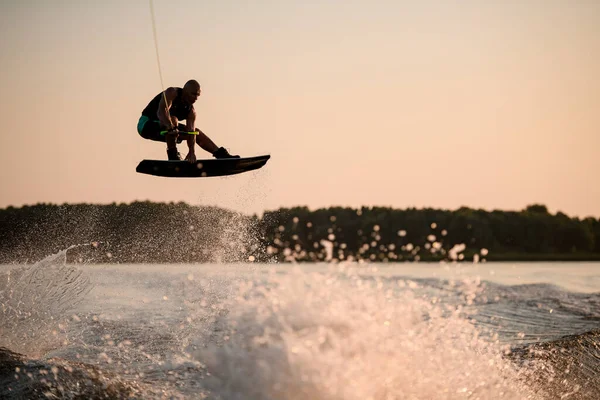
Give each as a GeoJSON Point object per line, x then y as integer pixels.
{"type": "Point", "coordinates": [385, 234]}
{"type": "Point", "coordinates": [146, 232]}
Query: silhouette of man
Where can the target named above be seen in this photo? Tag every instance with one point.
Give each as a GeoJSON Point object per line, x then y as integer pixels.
{"type": "Point", "coordinates": [160, 122]}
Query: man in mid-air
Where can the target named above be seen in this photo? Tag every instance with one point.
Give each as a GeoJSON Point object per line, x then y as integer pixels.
{"type": "Point", "coordinates": [160, 122]}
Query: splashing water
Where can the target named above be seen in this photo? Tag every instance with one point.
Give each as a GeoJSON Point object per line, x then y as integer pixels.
{"type": "Point", "coordinates": [35, 299]}
{"type": "Point", "coordinates": [345, 331]}
{"type": "Point", "coordinates": [337, 336]}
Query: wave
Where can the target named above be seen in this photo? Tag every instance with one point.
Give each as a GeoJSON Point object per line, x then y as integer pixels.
{"type": "Point", "coordinates": [295, 335]}
{"type": "Point", "coordinates": [34, 301]}
{"type": "Point", "coordinates": [321, 336]}
{"type": "Point", "coordinates": [563, 368]}
{"type": "Point", "coordinates": [26, 378]}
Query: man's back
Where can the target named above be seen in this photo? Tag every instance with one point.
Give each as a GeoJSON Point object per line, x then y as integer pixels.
{"type": "Point", "coordinates": [178, 109]}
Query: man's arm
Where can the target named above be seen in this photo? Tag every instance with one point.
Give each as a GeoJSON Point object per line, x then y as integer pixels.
{"type": "Point", "coordinates": [190, 122]}
{"type": "Point", "coordinates": [165, 106]}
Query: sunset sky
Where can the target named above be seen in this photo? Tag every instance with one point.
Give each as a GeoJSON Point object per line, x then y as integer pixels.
{"type": "Point", "coordinates": [431, 103]}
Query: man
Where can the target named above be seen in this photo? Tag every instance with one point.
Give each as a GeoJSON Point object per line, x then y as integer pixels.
{"type": "Point", "coordinates": [160, 122]}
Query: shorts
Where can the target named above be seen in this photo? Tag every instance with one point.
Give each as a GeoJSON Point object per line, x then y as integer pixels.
{"type": "Point", "coordinates": [150, 129]}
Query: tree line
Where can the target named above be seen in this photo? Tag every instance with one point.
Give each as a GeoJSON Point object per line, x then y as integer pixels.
{"type": "Point", "coordinates": [148, 232]}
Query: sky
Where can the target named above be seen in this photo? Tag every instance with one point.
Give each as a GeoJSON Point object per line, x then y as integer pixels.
{"type": "Point", "coordinates": [432, 103]}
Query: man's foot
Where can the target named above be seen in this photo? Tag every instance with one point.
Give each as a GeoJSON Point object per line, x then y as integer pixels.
{"type": "Point", "coordinates": [223, 153]}
{"type": "Point", "coordinates": [173, 155]}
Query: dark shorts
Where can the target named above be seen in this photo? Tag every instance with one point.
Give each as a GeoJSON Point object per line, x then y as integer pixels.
{"type": "Point", "coordinates": [150, 129]}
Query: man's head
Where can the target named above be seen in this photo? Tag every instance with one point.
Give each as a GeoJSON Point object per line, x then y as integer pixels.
{"type": "Point", "coordinates": [191, 91]}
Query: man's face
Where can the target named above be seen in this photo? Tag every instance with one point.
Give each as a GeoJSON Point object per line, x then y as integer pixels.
{"type": "Point", "coordinates": [192, 94]}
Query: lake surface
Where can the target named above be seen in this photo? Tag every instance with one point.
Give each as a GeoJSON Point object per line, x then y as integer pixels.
{"type": "Point", "coordinates": [300, 331]}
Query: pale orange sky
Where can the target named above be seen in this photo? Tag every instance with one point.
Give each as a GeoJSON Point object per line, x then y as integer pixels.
{"type": "Point", "coordinates": [429, 103]}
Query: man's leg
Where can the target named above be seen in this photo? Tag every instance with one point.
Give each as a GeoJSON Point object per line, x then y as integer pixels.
{"type": "Point", "coordinates": [171, 137]}
{"type": "Point", "coordinates": [205, 142]}
{"type": "Point", "coordinates": [171, 141]}
{"type": "Point", "coordinates": [151, 129]}
{"type": "Point", "coordinates": [210, 146]}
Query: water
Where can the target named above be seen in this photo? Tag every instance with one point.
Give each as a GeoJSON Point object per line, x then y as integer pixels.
{"type": "Point", "coordinates": [308, 331]}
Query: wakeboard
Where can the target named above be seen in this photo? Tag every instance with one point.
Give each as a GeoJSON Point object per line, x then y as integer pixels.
{"type": "Point", "coordinates": [201, 168]}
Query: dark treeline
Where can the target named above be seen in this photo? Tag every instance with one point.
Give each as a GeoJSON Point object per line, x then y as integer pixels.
{"type": "Point", "coordinates": [145, 232]}
{"type": "Point", "coordinates": [429, 234]}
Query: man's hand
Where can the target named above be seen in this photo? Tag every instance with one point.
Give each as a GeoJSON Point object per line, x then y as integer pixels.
{"type": "Point", "coordinates": [171, 131]}
{"type": "Point", "coordinates": [191, 157]}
